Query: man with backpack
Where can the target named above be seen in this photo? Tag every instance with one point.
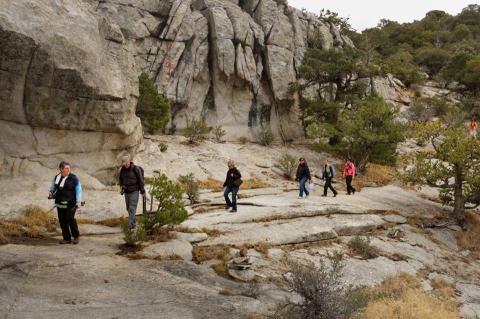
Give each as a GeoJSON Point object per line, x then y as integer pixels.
{"type": "Point", "coordinates": [132, 184]}
{"type": "Point", "coordinates": [328, 174]}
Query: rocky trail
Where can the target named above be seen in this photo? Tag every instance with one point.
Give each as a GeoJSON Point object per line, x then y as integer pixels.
{"type": "Point", "coordinates": [95, 279]}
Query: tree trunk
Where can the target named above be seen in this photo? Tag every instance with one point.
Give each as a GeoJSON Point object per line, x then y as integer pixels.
{"type": "Point", "coordinates": [459, 202]}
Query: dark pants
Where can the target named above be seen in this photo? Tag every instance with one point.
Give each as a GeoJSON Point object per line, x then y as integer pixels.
{"type": "Point", "coordinates": [350, 188]}
{"type": "Point", "coordinates": [234, 191]}
{"type": "Point", "coordinates": [131, 202]}
{"type": "Point", "coordinates": [68, 224]}
{"type": "Point", "coordinates": [302, 183]}
{"type": "Point", "coordinates": [328, 184]}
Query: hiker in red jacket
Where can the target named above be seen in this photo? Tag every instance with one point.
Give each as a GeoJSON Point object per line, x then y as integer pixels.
{"type": "Point", "coordinates": [349, 174]}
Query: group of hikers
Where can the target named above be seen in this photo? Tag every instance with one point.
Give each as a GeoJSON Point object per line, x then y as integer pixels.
{"type": "Point", "coordinates": [66, 189]}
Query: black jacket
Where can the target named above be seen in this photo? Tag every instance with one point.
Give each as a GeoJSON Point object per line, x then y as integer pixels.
{"type": "Point", "coordinates": [131, 178]}
{"type": "Point", "coordinates": [232, 175]}
{"type": "Point", "coordinates": [67, 193]}
{"type": "Point", "coordinates": [303, 171]}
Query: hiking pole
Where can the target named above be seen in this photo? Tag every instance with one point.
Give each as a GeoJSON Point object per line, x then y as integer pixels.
{"type": "Point", "coordinates": [144, 199]}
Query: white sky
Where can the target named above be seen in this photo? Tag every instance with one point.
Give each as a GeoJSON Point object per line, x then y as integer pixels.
{"type": "Point", "coordinates": [367, 13]}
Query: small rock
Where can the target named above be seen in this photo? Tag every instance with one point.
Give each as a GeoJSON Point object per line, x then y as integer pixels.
{"type": "Point", "coordinates": [242, 275]}
{"type": "Point", "coordinates": [454, 228]}
{"type": "Point", "coordinates": [191, 237]}
{"type": "Point", "coordinates": [396, 219]}
{"type": "Point", "coordinates": [396, 233]}
{"type": "Point", "coordinates": [174, 247]}
{"type": "Point", "coordinates": [276, 253]}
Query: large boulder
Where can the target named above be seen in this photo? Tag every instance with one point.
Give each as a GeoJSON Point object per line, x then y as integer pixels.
{"type": "Point", "coordinates": [67, 90]}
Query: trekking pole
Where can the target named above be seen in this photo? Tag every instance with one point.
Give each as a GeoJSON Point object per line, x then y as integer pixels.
{"type": "Point", "coordinates": [144, 200]}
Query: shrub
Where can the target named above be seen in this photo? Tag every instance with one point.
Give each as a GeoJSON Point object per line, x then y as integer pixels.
{"type": "Point", "coordinates": [190, 187]}
{"type": "Point", "coordinates": [36, 223]}
{"type": "Point", "coordinates": [361, 246]}
{"type": "Point", "coordinates": [219, 134]}
{"type": "Point", "coordinates": [265, 136]}
{"type": "Point", "coordinates": [163, 147]}
{"type": "Point", "coordinates": [153, 108]}
{"type": "Point", "coordinates": [323, 293]}
{"type": "Point", "coordinates": [132, 236]}
{"type": "Point", "coordinates": [243, 140]}
{"type": "Point", "coordinates": [170, 209]}
{"type": "Point", "coordinates": [196, 130]}
{"type": "Point", "coordinates": [287, 163]}
{"type": "Point", "coordinates": [402, 297]}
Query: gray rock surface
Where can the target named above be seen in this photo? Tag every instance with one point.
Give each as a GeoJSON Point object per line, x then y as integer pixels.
{"type": "Point", "coordinates": [68, 88]}
{"type": "Point", "coordinates": [169, 249]}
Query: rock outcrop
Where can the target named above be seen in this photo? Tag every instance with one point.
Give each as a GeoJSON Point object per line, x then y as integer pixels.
{"type": "Point", "coordinates": [69, 69]}
{"type": "Point", "coordinates": [228, 62]}
{"type": "Point", "coordinates": [67, 87]}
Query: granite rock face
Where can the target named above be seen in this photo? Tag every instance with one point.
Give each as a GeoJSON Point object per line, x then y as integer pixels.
{"type": "Point", "coordinates": [67, 87]}
{"type": "Point", "coordinates": [69, 70]}
{"type": "Point", "coordinates": [227, 62]}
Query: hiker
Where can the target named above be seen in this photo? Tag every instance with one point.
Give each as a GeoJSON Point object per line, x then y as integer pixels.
{"type": "Point", "coordinates": [131, 184]}
{"type": "Point", "coordinates": [303, 175]}
{"type": "Point", "coordinates": [67, 192]}
{"type": "Point", "coordinates": [232, 185]}
{"type": "Point", "coordinates": [328, 174]}
{"type": "Point", "coordinates": [349, 174]}
{"type": "Point", "coordinates": [473, 127]}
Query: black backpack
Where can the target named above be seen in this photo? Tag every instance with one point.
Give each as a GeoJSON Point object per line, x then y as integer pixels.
{"type": "Point", "coordinates": [142, 172]}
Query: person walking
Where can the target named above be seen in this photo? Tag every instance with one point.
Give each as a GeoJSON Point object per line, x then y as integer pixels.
{"type": "Point", "coordinates": [328, 174]}
{"type": "Point", "coordinates": [349, 174]}
{"type": "Point", "coordinates": [132, 184]}
{"type": "Point", "coordinates": [66, 189]}
{"type": "Point", "coordinates": [303, 175]}
{"type": "Point", "coordinates": [473, 127]}
{"type": "Point", "coordinates": [232, 185]}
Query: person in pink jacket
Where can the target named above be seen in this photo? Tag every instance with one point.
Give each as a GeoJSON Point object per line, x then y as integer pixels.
{"type": "Point", "coordinates": [349, 174]}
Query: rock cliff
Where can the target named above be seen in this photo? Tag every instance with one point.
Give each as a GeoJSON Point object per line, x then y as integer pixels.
{"type": "Point", "coordinates": [69, 68]}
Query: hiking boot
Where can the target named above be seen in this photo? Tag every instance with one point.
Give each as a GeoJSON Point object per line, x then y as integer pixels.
{"type": "Point", "coordinates": [76, 240]}
{"type": "Point", "coordinates": [64, 242]}
{"type": "Point", "coordinates": [335, 195]}
{"type": "Point", "coordinates": [233, 210]}
{"type": "Point", "coordinates": [227, 207]}
{"type": "Point", "coordinates": [324, 195]}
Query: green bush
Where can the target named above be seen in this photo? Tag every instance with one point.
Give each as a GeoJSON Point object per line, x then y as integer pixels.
{"type": "Point", "coordinates": [170, 209]}
{"type": "Point", "coordinates": [190, 187]}
{"type": "Point", "coordinates": [132, 236]}
{"type": "Point", "coordinates": [243, 140]}
{"type": "Point", "coordinates": [361, 246]}
{"type": "Point", "coordinates": [265, 136]}
{"type": "Point", "coordinates": [153, 108]}
{"type": "Point", "coordinates": [163, 147]}
{"type": "Point", "coordinates": [196, 130]}
{"type": "Point", "coordinates": [287, 163]}
{"type": "Point", "coordinates": [323, 292]}
{"type": "Point", "coordinates": [219, 134]}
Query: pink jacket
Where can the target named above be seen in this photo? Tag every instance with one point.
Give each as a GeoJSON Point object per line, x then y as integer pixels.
{"type": "Point", "coordinates": [349, 170]}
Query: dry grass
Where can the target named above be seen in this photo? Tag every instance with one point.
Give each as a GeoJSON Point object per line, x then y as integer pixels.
{"type": "Point", "coordinates": [226, 292]}
{"type": "Point", "coordinates": [443, 288]}
{"type": "Point", "coordinates": [261, 247]}
{"type": "Point", "coordinates": [470, 239]}
{"type": "Point", "coordinates": [360, 246]}
{"type": "Point", "coordinates": [36, 223]}
{"type": "Point", "coordinates": [204, 253]}
{"type": "Point", "coordinates": [221, 269]}
{"type": "Point", "coordinates": [211, 232]}
{"type": "Point", "coordinates": [162, 235]}
{"type": "Point", "coordinates": [377, 175]}
{"type": "Point", "coordinates": [255, 183]}
{"type": "Point", "coordinates": [212, 184]}
{"type": "Point", "coordinates": [111, 222]}
{"type": "Point", "coordinates": [402, 297]}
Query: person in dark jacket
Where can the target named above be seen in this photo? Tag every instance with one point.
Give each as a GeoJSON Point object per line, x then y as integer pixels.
{"type": "Point", "coordinates": [303, 175]}
{"type": "Point", "coordinates": [328, 174]}
{"type": "Point", "coordinates": [232, 185]}
{"type": "Point", "coordinates": [67, 191]}
{"type": "Point", "coordinates": [131, 185]}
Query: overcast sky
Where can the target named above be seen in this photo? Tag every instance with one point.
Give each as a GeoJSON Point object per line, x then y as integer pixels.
{"type": "Point", "coordinates": [367, 13]}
